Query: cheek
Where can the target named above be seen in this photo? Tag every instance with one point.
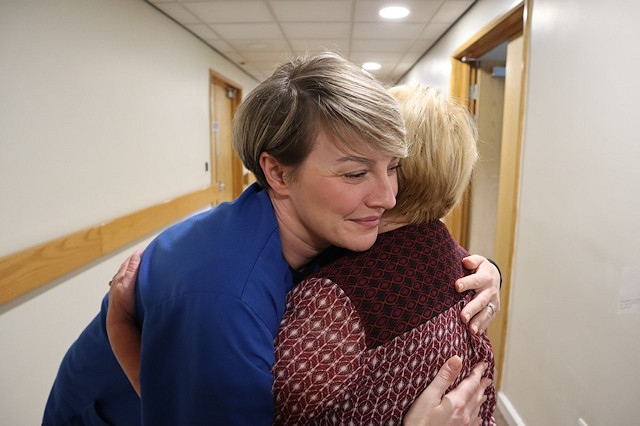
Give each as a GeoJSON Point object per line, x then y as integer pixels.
{"type": "Point", "coordinates": [338, 198]}
{"type": "Point", "coordinates": [324, 204]}
{"type": "Point", "coordinates": [394, 184]}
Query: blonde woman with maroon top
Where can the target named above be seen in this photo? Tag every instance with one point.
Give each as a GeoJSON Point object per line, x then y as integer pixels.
{"type": "Point", "coordinates": [363, 337]}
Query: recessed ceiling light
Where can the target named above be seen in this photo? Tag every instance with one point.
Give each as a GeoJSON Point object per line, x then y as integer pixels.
{"type": "Point", "coordinates": [371, 66]}
{"type": "Point", "coordinates": [394, 12]}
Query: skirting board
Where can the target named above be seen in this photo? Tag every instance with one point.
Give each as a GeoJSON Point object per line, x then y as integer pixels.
{"type": "Point", "coordinates": [508, 411]}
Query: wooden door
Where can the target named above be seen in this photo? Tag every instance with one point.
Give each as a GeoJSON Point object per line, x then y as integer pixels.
{"type": "Point", "coordinates": [226, 168]}
{"type": "Point", "coordinates": [511, 28]}
{"type": "Point", "coordinates": [508, 187]}
{"type": "Point", "coordinates": [483, 196]}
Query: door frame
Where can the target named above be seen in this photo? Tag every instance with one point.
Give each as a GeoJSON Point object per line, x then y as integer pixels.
{"type": "Point", "coordinates": [506, 27]}
{"type": "Point", "coordinates": [216, 79]}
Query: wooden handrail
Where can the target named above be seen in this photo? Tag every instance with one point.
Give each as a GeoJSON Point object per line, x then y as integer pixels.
{"type": "Point", "coordinates": [28, 269]}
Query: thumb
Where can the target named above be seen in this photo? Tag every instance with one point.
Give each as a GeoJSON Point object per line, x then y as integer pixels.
{"type": "Point", "coordinates": [447, 375]}
{"type": "Point", "coordinates": [425, 407]}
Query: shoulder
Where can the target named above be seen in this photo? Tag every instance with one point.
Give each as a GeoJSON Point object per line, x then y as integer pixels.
{"type": "Point", "coordinates": [319, 306]}
{"type": "Point", "coordinates": [233, 249]}
{"type": "Point", "coordinates": [318, 350]}
{"type": "Point", "coordinates": [251, 214]}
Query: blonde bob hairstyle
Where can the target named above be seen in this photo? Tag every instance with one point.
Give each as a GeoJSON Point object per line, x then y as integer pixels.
{"type": "Point", "coordinates": [442, 139]}
{"type": "Point", "coordinates": [283, 115]}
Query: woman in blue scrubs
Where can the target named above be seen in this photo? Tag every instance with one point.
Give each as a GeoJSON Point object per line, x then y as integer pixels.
{"type": "Point", "coordinates": [323, 139]}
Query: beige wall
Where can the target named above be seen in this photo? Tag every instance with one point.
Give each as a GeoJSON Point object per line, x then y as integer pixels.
{"type": "Point", "coordinates": [570, 354]}
{"type": "Point", "coordinates": [103, 110]}
{"type": "Point", "coordinates": [99, 118]}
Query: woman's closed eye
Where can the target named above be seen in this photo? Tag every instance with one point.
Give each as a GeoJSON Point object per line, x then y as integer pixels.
{"type": "Point", "coordinates": [356, 175]}
{"type": "Point", "coordinates": [393, 169]}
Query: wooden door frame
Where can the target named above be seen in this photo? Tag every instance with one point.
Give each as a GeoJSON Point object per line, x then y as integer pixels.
{"type": "Point", "coordinates": [510, 25]}
{"type": "Point", "coordinates": [236, 165]}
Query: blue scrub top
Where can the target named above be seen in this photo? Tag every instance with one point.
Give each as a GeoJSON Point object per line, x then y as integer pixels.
{"type": "Point", "coordinates": [210, 295]}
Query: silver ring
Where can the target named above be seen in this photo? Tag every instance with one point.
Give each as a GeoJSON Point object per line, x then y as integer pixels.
{"type": "Point", "coordinates": [493, 309]}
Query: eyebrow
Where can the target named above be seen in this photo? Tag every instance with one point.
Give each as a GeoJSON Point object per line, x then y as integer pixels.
{"type": "Point", "coordinates": [357, 159]}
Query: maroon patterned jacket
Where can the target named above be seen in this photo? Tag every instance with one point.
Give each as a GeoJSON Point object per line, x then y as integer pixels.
{"type": "Point", "coordinates": [365, 335]}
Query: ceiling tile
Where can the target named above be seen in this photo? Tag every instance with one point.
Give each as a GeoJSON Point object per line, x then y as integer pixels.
{"type": "Point", "coordinates": [311, 11]}
{"type": "Point", "coordinates": [387, 30]}
{"type": "Point", "coordinates": [303, 45]}
{"type": "Point", "coordinates": [380, 57]}
{"type": "Point", "coordinates": [275, 57]}
{"type": "Point", "coordinates": [380, 45]}
{"type": "Point", "coordinates": [178, 12]}
{"type": "Point", "coordinates": [260, 44]}
{"type": "Point", "coordinates": [258, 34]}
{"type": "Point", "coordinates": [243, 31]}
{"type": "Point", "coordinates": [316, 30]}
{"type": "Point", "coordinates": [451, 10]}
{"type": "Point", "coordinates": [226, 11]}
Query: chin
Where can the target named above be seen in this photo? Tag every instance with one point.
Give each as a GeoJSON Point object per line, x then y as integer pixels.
{"type": "Point", "coordinates": [364, 242]}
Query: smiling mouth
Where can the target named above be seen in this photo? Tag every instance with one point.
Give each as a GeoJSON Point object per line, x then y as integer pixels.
{"type": "Point", "coordinates": [368, 222]}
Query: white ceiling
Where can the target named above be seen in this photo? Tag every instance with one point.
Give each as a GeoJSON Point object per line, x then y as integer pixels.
{"type": "Point", "coordinates": [258, 34]}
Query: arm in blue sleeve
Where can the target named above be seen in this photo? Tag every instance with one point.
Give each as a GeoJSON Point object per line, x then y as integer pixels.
{"type": "Point", "coordinates": [206, 359]}
{"type": "Point", "coordinates": [90, 387]}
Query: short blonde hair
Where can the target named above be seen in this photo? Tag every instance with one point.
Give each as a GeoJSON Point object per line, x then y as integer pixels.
{"type": "Point", "coordinates": [283, 115]}
{"type": "Point", "coordinates": [442, 139]}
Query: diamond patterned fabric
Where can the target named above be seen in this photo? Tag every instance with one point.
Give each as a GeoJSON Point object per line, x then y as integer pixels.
{"type": "Point", "coordinates": [365, 335]}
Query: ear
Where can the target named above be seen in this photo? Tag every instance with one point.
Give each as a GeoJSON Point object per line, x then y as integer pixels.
{"type": "Point", "coordinates": [273, 172]}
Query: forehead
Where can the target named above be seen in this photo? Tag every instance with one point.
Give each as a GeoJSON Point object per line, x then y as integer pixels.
{"type": "Point", "coordinates": [327, 141]}
{"type": "Point", "coordinates": [329, 147]}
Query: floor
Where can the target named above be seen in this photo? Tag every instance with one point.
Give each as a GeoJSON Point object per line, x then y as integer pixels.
{"type": "Point", "coordinates": [500, 421]}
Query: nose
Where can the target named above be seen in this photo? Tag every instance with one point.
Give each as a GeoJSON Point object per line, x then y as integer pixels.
{"type": "Point", "coordinates": [384, 194]}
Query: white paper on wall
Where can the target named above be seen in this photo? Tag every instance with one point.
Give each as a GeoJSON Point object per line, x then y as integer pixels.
{"type": "Point", "coordinates": [630, 290]}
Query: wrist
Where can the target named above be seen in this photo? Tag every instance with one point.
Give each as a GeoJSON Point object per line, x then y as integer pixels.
{"type": "Point", "coordinates": [498, 268]}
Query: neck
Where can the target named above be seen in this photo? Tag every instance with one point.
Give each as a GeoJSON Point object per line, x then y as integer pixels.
{"type": "Point", "coordinates": [295, 249]}
{"type": "Point", "coordinates": [389, 223]}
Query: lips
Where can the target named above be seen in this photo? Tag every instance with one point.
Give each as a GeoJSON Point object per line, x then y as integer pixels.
{"type": "Point", "coordinates": [368, 222]}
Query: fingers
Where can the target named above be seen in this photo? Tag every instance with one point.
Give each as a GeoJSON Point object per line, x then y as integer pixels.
{"type": "Point", "coordinates": [478, 371]}
{"type": "Point", "coordinates": [479, 313]}
{"type": "Point", "coordinates": [473, 261]}
{"type": "Point", "coordinates": [484, 306]}
{"type": "Point", "coordinates": [446, 375]}
{"type": "Point", "coordinates": [472, 388]}
{"type": "Point", "coordinates": [122, 289]}
{"type": "Point", "coordinates": [131, 268]}
{"type": "Point", "coordinates": [122, 332]}
{"type": "Point", "coordinates": [128, 269]}
{"type": "Point", "coordinates": [459, 406]}
{"type": "Point", "coordinates": [427, 409]}
{"type": "Point", "coordinates": [484, 275]}
{"type": "Point", "coordinates": [468, 396]}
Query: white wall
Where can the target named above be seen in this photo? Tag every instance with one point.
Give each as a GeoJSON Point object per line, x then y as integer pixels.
{"type": "Point", "coordinates": [569, 353]}
{"type": "Point", "coordinates": [103, 110]}
{"type": "Point", "coordinates": [569, 350]}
